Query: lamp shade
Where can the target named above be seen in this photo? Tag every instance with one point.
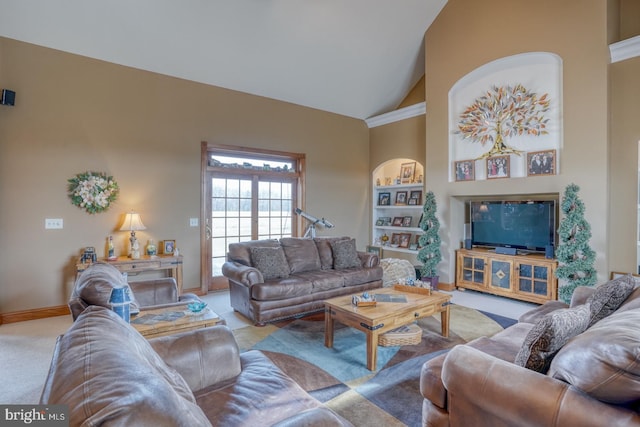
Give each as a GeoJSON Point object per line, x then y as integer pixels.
{"type": "Point", "coordinates": [132, 222]}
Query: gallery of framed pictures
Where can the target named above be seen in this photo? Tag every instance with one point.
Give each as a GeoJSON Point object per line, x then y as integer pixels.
{"type": "Point", "coordinates": [505, 119]}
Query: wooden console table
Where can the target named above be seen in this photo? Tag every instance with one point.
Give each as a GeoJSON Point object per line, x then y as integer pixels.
{"type": "Point", "coordinates": [169, 263]}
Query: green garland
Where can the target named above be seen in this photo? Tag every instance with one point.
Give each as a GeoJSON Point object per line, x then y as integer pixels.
{"type": "Point", "coordinates": [93, 191]}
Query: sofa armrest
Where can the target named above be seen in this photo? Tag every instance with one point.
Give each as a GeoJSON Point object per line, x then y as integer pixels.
{"type": "Point", "coordinates": [203, 357]}
{"type": "Point", "coordinates": [242, 274]}
{"type": "Point", "coordinates": [487, 391]}
{"type": "Point", "coordinates": [368, 259]}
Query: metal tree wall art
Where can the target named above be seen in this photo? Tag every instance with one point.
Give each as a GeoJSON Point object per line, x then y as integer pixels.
{"type": "Point", "coordinates": [503, 112]}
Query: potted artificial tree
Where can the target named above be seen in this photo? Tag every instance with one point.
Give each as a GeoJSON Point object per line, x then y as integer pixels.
{"type": "Point", "coordinates": [429, 253]}
{"type": "Point", "coordinates": [575, 256]}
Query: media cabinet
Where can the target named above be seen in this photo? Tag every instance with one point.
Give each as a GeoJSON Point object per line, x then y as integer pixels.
{"type": "Point", "coordinates": [528, 277]}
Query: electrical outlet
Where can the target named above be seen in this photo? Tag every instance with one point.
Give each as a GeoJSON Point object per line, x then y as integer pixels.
{"type": "Point", "coordinates": [193, 222]}
{"type": "Point", "coordinates": [53, 223]}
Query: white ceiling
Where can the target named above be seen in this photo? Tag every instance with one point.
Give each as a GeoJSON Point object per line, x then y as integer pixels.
{"type": "Point", "coordinates": [357, 58]}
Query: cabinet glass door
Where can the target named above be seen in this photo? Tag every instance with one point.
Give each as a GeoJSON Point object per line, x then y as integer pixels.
{"type": "Point", "coordinates": [473, 270]}
{"type": "Point", "coordinates": [501, 274]}
{"type": "Point", "coordinates": [533, 279]}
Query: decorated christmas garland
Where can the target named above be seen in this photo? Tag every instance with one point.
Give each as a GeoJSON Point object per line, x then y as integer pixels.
{"type": "Point", "coordinates": [93, 191]}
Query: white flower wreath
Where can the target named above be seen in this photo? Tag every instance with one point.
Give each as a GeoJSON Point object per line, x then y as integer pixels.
{"type": "Point", "coordinates": [93, 191]}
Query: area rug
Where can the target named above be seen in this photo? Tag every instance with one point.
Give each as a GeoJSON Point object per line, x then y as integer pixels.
{"type": "Point", "coordinates": [338, 377]}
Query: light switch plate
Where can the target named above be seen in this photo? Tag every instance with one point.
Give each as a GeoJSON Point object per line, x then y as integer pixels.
{"type": "Point", "coordinates": [53, 223]}
{"type": "Point", "coordinates": [193, 222]}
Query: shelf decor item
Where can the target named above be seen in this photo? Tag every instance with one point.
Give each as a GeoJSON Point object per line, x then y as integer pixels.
{"type": "Point", "coordinates": [429, 242]}
{"type": "Point", "coordinates": [407, 172]}
{"type": "Point", "coordinates": [93, 191]}
{"type": "Point", "coordinates": [504, 112]}
{"type": "Point", "coordinates": [575, 256]}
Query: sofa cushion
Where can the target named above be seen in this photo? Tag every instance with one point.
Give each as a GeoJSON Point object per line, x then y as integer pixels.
{"type": "Point", "coordinates": [302, 254]}
{"type": "Point", "coordinates": [604, 361]}
{"type": "Point", "coordinates": [106, 372]}
{"type": "Point", "coordinates": [94, 286]}
{"type": "Point", "coordinates": [549, 334]}
{"type": "Point", "coordinates": [345, 254]}
{"type": "Point", "coordinates": [290, 287]}
{"type": "Point", "coordinates": [609, 296]}
{"type": "Point", "coordinates": [325, 252]}
{"type": "Point", "coordinates": [241, 252]}
{"type": "Point", "coordinates": [323, 280]}
{"type": "Point", "coordinates": [271, 262]}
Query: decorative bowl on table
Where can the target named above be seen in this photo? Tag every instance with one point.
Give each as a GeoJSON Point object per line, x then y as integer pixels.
{"type": "Point", "coordinates": [196, 306]}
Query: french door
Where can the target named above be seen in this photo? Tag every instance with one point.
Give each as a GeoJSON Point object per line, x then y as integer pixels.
{"type": "Point", "coordinates": [245, 203]}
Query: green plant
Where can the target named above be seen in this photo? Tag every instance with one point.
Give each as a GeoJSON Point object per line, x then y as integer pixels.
{"type": "Point", "coordinates": [429, 241]}
{"type": "Point", "coordinates": [575, 256]}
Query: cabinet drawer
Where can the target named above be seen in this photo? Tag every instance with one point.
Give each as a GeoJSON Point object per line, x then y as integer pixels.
{"type": "Point", "coordinates": [415, 314]}
{"type": "Point", "coordinates": [133, 266]}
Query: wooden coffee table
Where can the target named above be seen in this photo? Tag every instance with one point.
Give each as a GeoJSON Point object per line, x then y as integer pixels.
{"type": "Point", "coordinates": [383, 317]}
{"type": "Point", "coordinates": [171, 320]}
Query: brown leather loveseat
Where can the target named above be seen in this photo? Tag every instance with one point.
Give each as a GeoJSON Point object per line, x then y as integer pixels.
{"type": "Point", "coordinates": [108, 374]}
{"type": "Point", "coordinates": [560, 365]}
{"type": "Point", "coordinates": [275, 279]}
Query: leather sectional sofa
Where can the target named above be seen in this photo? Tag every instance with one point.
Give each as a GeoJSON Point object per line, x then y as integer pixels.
{"type": "Point", "coordinates": [108, 374]}
{"type": "Point", "coordinates": [560, 365]}
{"type": "Point", "coordinates": [275, 279]}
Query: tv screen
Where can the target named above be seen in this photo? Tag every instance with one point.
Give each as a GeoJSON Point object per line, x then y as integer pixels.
{"type": "Point", "coordinates": [526, 225]}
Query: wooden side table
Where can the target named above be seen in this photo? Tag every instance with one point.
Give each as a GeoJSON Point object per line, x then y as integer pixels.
{"type": "Point", "coordinates": [169, 263]}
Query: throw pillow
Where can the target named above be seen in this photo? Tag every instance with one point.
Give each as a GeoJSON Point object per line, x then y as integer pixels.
{"type": "Point", "coordinates": [604, 361]}
{"type": "Point", "coordinates": [270, 261]}
{"type": "Point", "coordinates": [345, 254]}
{"type": "Point", "coordinates": [302, 254]}
{"type": "Point", "coordinates": [548, 336]}
{"type": "Point", "coordinates": [323, 244]}
{"type": "Point", "coordinates": [609, 296]}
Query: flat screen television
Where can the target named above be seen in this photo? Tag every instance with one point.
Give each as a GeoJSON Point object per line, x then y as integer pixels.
{"type": "Point", "coordinates": [525, 225]}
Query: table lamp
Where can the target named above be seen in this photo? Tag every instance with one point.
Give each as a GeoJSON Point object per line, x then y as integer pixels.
{"type": "Point", "coordinates": [133, 223]}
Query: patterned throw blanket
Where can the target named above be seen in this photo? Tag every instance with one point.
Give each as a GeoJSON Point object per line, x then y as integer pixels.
{"type": "Point", "coordinates": [395, 269]}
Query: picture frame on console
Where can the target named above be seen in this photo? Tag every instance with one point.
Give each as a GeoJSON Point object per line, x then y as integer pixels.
{"type": "Point", "coordinates": [168, 246]}
{"type": "Point", "coordinates": [498, 167]}
{"type": "Point", "coordinates": [541, 163]}
{"type": "Point", "coordinates": [465, 170]}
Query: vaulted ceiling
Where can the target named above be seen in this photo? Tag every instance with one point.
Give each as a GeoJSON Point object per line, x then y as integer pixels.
{"type": "Point", "coordinates": [357, 58]}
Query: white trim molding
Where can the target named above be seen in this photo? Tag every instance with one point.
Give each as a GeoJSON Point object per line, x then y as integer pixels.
{"type": "Point", "coordinates": [625, 49]}
{"type": "Point", "coordinates": [397, 115]}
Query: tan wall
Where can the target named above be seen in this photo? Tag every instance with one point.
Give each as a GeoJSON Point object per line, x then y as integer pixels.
{"type": "Point", "coordinates": [625, 137]}
{"type": "Point", "coordinates": [74, 114]}
{"type": "Point", "coordinates": [468, 34]}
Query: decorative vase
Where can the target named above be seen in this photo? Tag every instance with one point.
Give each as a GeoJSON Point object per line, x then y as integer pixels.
{"type": "Point", "coordinates": [120, 302]}
{"type": "Point", "coordinates": [152, 249]}
{"type": "Point", "coordinates": [433, 281]}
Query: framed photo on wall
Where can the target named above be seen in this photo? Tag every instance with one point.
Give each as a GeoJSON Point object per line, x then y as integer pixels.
{"type": "Point", "coordinates": [465, 170]}
{"type": "Point", "coordinates": [407, 172]}
{"type": "Point", "coordinates": [498, 167]}
{"type": "Point", "coordinates": [541, 163]}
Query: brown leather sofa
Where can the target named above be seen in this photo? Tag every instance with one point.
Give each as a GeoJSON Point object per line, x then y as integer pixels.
{"type": "Point", "coordinates": [275, 279]}
{"type": "Point", "coordinates": [593, 380]}
{"type": "Point", "coordinates": [94, 285]}
{"type": "Point", "coordinates": [108, 374]}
